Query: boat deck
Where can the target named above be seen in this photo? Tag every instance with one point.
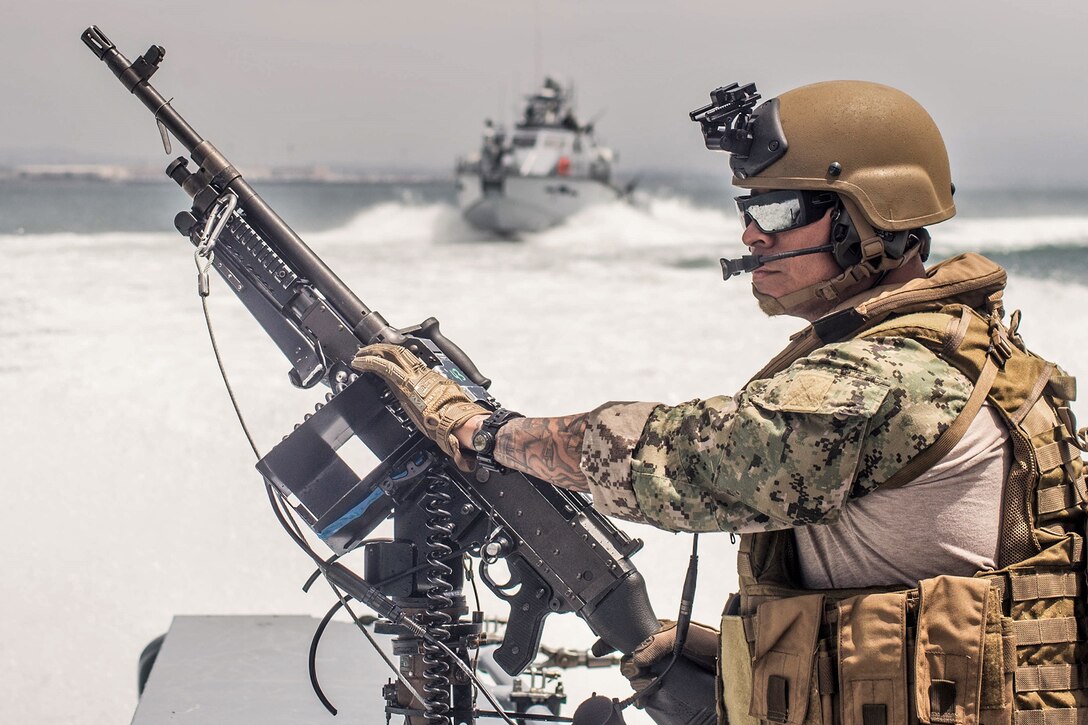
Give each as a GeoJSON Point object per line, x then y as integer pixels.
{"type": "Point", "coordinates": [236, 670]}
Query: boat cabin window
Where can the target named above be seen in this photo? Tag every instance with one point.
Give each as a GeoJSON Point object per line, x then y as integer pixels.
{"type": "Point", "coordinates": [525, 141]}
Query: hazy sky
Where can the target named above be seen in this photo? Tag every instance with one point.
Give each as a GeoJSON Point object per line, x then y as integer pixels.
{"type": "Point", "coordinates": [407, 84]}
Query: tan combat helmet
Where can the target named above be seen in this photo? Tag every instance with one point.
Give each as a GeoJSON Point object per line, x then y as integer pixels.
{"type": "Point", "coordinates": [872, 145]}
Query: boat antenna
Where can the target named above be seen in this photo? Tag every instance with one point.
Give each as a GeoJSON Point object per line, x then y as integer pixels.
{"type": "Point", "coordinates": [589, 126]}
{"type": "Point", "coordinates": [536, 41]}
{"type": "Point", "coordinates": [508, 103]}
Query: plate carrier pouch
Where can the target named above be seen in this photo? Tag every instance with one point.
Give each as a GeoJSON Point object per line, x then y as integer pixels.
{"type": "Point", "coordinates": [1005, 647]}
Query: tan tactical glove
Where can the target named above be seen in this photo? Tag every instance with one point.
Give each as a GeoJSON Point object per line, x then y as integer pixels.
{"type": "Point", "coordinates": [701, 647]}
{"type": "Point", "coordinates": [436, 404]}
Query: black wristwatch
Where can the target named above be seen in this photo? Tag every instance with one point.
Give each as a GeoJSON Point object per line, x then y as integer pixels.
{"type": "Point", "coordinates": [483, 440]}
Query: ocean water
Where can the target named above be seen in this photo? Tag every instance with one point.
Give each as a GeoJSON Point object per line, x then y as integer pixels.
{"type": "Point", "coordinates": [130, 488]}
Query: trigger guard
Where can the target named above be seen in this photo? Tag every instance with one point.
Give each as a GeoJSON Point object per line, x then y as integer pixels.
{"type": "Point", "coordinates": [499, 590]}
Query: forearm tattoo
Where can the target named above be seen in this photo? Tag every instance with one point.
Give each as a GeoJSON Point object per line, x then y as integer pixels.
{"type": "Point", "coordinates": [548, 448]}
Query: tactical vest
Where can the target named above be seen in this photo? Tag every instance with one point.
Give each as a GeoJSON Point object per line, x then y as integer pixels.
{"type": "Point", "coordinates": [1005, 646]}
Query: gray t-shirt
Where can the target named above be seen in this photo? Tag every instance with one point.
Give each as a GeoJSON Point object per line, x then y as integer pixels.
{"type": "Point", "coordinates": [946, 521]}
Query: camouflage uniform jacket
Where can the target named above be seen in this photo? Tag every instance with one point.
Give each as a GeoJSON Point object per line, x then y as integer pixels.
{"type": "Point", "coordinates": [785, 451]}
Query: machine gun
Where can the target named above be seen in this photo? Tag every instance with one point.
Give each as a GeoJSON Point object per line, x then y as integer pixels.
{"type": "Point", "coordinates": [561, 554]}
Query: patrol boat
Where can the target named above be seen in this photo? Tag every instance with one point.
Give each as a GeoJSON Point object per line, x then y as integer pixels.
{"type": "Point", "coordinates": [548, 169]}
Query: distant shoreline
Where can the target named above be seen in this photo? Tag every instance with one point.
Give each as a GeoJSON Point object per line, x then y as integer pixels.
{"type": "Point", "coordinates": [122, 173]}
{"type": "Point", "coordinates": [322, 174]}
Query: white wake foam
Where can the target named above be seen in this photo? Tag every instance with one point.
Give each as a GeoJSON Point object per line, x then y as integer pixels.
{"type": "Point", "coordinates": [659, 222]}
{"type": "Point", "coordinates": [65, 240]}
{"type": "Point", "coordinates": [390, 223]}
{"type": "Point", "coordinates": [655, 222]}
{"type": "Point", "coordinates": [1007, 234]}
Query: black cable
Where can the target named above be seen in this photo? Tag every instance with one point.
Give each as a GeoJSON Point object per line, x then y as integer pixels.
{"type": "Point", "coordinates": [313, 656]}
{"type": "Point", "coordinates": [471, 576]}
{"type": "Point", "coordinates": [400, 575]}
{"type": "Point", "coordinates": [296, 536]}
{"type": "Point", "coordinates": [343, 598]}
{"type": "Point", "coordinates": [683, 622]}
{"type": "Point", "coordinates": [419, 567]}
{"type": "Point", "coordinates": [280, 503]}
{"type": "Point", "coordinates": [687, 601]}
{"type": "Point", "coordinates": [317, 574]}
{"type": "Point", "coordinates": [223, 374]}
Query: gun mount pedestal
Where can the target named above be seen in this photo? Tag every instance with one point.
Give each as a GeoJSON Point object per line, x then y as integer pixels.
{"type": "Point", "coordinates": [419, 572]}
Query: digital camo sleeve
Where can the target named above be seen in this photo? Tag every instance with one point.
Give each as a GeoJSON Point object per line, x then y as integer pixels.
{"type": "Point", "coordinates": [612, 433]}
{"type": "Point", "coordinates": [786, 451]}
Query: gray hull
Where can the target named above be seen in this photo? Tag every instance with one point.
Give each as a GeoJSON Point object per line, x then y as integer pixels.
{"type": "Point", "coordinates": [528, 203]}
{"type": "Point", "coordinates": [251, 670]}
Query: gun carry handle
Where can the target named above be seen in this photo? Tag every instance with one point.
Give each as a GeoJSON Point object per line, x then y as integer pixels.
{"type": "Point", "coordinates": [528, 608]}
{"type": "Point", "coordinates": [429, 329]}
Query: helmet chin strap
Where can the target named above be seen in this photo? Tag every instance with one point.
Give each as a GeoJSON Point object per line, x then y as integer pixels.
{"type": "Point", "coordinates": [874, 263]}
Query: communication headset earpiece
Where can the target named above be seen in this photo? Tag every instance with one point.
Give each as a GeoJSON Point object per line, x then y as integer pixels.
{"type": "Point", "coordinates": [847, 241]}
{"type": "Point", "coordinates": [844, 237]}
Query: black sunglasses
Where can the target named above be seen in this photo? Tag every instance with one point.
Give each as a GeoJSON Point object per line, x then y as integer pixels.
{"type": "Point", "coordinates": [785, 209]}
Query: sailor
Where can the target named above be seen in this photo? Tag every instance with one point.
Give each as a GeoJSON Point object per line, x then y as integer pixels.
{"type": "Point", "coordinates": [905, 475]}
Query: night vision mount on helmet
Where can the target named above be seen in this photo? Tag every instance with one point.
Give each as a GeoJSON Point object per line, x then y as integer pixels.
{"type": "Point", "coordinates": [753, 138]}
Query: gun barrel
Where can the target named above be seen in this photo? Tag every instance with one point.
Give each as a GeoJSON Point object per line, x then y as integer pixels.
{"type": "Point", "coordinates": [367, 325]}
{"type": "Point", "coordinates": [134, 77]}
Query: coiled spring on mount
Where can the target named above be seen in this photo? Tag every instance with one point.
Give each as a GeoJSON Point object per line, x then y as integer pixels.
{"type": "Point", "coordinates": [439, 546]}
